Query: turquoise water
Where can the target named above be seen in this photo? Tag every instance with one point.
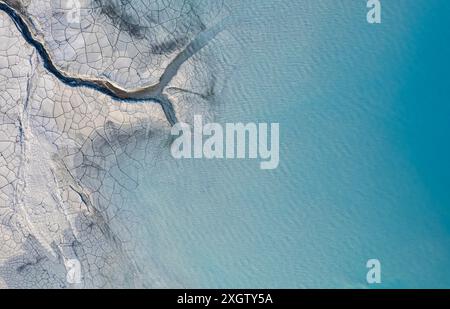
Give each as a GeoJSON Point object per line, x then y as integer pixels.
{"type": "Point", "coordinates": [364, 172]}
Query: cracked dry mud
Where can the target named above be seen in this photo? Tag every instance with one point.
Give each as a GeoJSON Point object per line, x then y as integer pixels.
{"type": "Point", "coordinates": [96, 102]}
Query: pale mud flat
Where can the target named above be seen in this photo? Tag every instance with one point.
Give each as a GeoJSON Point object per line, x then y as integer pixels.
{"type": "Point", "coordinates": [130, 43]}
{"type": "Point", "coordinates": [64, 149]}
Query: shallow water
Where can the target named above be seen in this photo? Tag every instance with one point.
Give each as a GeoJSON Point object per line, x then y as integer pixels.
{"type": "Point", "coordinates": [364, 170]}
